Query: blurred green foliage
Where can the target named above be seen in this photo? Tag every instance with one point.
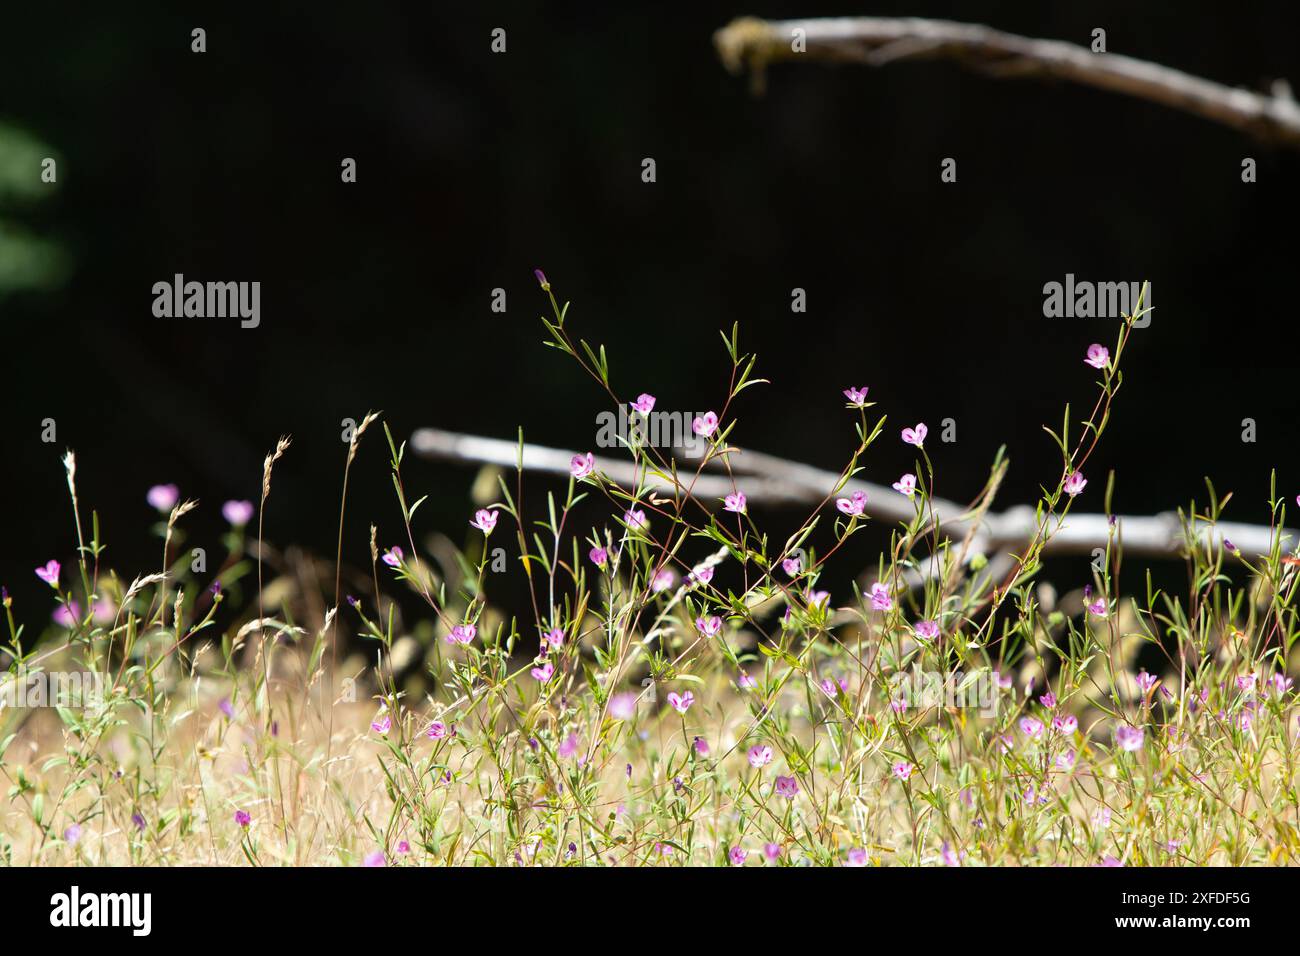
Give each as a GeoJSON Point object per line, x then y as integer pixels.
{"type": "Point", "coordinates": [27, 260]}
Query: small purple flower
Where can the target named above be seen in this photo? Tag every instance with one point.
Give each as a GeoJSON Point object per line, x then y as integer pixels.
{"type": "Point", "coordinates": [437, 730]}
{"type": "Point", "coordinates": [734, 503]}
{"type": "Point", "coordinates": [645, 403]}
{"type": "Point", "coordinates": [634, 518]}
{"type": "Point", "coordinates": [1066, 724]}
{"type": "Point", "coordinates": [541, 280]}
{"type": "Point", "coordinates": [928, 630]}
{"type": "Point", "coordinates": [382, 723]}
{"type": "Point", "coordinates": [392, 557]}
{"type": "Point", "coordinates": [856, 857]}
{"type": "Point", "coordinates": [554, 637]}
{"type": "Point", "coordinates": [582, 466]}
{"type": "Point", "coordinates": [1048, 700]}
{"type": "Point", "coordinates": [163, 497]}
{"type": "Point", "coordinates": [680, 702]}
{"type": "Point", "coordinates": [462, 634]}
{"type": "Point", "coordinates": [792, 566]}
{"type": "Point", "coordinates": [598, 556]}
{"type": "Point", "coordinates": [485, 520]}
{"type": "Point", "coordinates": [902, 769]}
{"type": "Point", "coordinates": [237, 513]}
{"type": "Point", "coordinates": [1129, 738]}
{"type": "Point", "coordinates": [376, 858]}
{"type": "Point", "coordinates": [543, 673]}
{"type": "Point", "coordinates": [662, 581]}
{"type": "Point", "coordinates": [857, 396]}
{"type": "Point", "coordinates": [227, 708]}
{"type": "Point", "coordinates": [737, 856]}
{"type": "Point", "coordinates": [623, 706]}
{"type": "Point", "coordinates": [243, 819]}
{"type": "Point", "coordinates": [708, 626]}
{"type": "Point", "coordinates": [705, 424]}
{"type": "Point", "coordinates": [880, 597]}
{"type": "Point", "coordinates": [1145, 681]}
{"type": "Point", "coordinates": [403, 847]}
{"type": "Point", "coordinates": [787, 787]}
{"type": "Point", "coordinates": [137, 818]}
{"type": "Point", "coordinates": [1098, 356]}
{"type": "Point", "coordinates": [916, 436]}
{"type": "Point", "coordinates": [1075, 483]}
{"type": "Point", "coordinates": [906, 485]}
{"type": "Point", "coordinates": [701, 575]}
{"type": "Point", "coordinates": [569, 746]}
{"type": "Point", "coordinates": [50, 573]}
{"type": "Point", "coordinates": [760, 755]}
{"type": "Point", "coordinates": [72, 834]}
{"type": "Point", "coordinates": [853, 505]}
{"type": "Point", "coordinates": [701, 746]}
{"type": "Point", "coordinates": [772, 851]}
{"type": "Point", "coordinates": [1031, 727]}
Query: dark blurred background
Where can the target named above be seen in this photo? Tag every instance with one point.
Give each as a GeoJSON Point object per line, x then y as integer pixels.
{"type": "Point", "coordinates": [475, 168]}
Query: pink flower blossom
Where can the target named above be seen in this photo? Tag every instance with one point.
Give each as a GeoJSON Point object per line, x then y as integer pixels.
{"type": "Point", "coordinates": [237, 513]}
{"type": "Point", "coordinates": [705, 424]}
{"type": "Point", "coordinates": [554, 637]}
{"type": "Point", "coordinates": [708, 626]}
{"type": "Point", "coordinates": [663, 581]}
{"type": "Point", "coordinates": [462, 634]}
{"type": "Point", "coordinates": [242, 818]}
{"type": "Point", "coordinates": [1098, 356]}
{"type": "Point", "coordinates": [645, 403]}
{"type": "Point", "coordinates": [72, 834]}
{"type": "Point", "coordinates": [760, 755]}
{"type": "Point", "coordinates": [622, 706]}
{"type": "Point", "coordinates": [376, 858]}
{"type": "Point", "coordinates": [1075, 483]}
{"type": "Point", "coordinates": [1065, 724]}
{"type": "Point", "coordinates": [50, 573]}
{"type": "Point", "coordinates": [916, 436]}
{"type": "Point", "coordinates": [792, 566]}
{"type": "Point", "coordinates": [735, 503]}
{"type": "Point", "coordinates": [737, 856]}
{"type": "Point", "coordinates": [902, 769]}
{"type": "Point", "coordinates": [403, 847]}
{"type": "Point", "coordinates": [1048, 700]}
{"type": "Point", "coordinates": [485, 520]}
{"type": "Point", "coordinates": [1031, 727]}
{"type": "Point", "coordinates": [437, 730]}
{"type": "Point", "coordinates": [701, 746]}
{"type": "Point", "coordinates": [701, 575]}
{"type": "Point", "coordinates": [772, 851]}
{"type": "Point", "coordinates": [787, 787]}
{"type": "Point", "coordinates": [580, 466]}
{"type": "Point", "coordinates": [856, 857]}
{"type": "Point", "coordinates": [1065, 761]}
{"type": "Point", "coordinates": [634, 518]}
{"type": "Point", "coordinates": [1246, 682]}
{"type": "Point", "coordinates": [949, 856]}
{"type": "Point", "coordinates": [1145, 681]}
{"type": "Point", "coordinates": [880, 597]}
{"type": "Point", "coordinates": [857, 396]}
{"type": "Point", "coordinates": [392, 557]}
{"type": "Point", "coordinates": [163, 497]}
{"type": "Point", "coordinates": [543, 673]}
{"type": "Point", "coordinates": [1129, 738]}
{"type": "Point", "coordinates": [1098, 607]}
{"type": "Point", "coordinates": [831, 686]}
{"type": "Point", "coordinates": [680, 702]}
{"type": "Point", "coordinates": [1101, 817]}
{"type": "Point", "coordinates": [569, 746]}
{"type": "Point", "coordinates": [927, 630]}
{"type": "Point", "coordinates": [1003, 680]}
{"type": "Point", "coordinates": [745, 682]}
{"type": "Point", "coordinates": [853, 505]}
{"type": "Point", "coordinates": [906, 485]}
{"type": "Point", "coordinates": [382, 723]}
{"type": "Point", "coordinates": [598, 556]}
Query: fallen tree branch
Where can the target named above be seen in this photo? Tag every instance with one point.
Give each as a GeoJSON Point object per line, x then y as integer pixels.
{"type": "Point", "coordinates": [878, 40]}
{"type": "Point", "coordinates": [776, 481]}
